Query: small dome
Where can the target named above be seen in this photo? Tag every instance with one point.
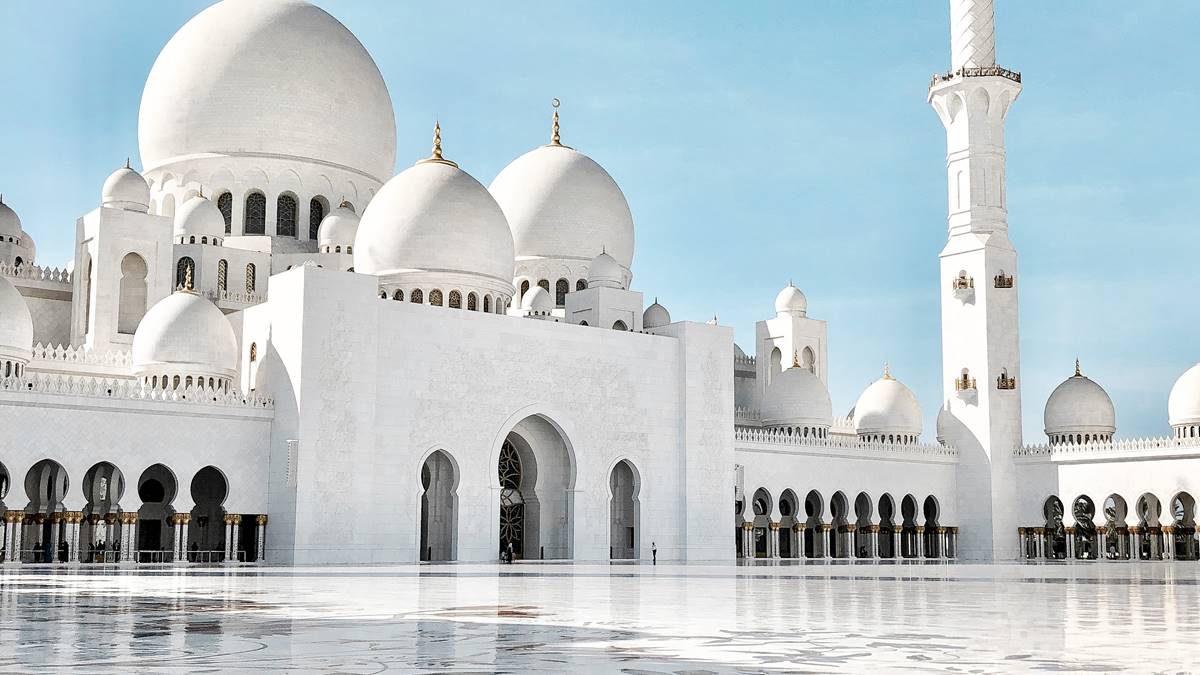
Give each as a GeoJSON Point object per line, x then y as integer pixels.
{"type": "Point", "coordinates": [887, 407]}
{"type": "Point", "coordinates": [605, 272]}
{"type": "Point", "coordinates": [1183, 406]}
{"type": "Point", "coordinates": [10, 223]}
{"type": "Point", "coordinates": [199, 217]}
{"type": "Point", "coordinates": [16, 325]}
{"type": "Point", "coordinates": [791, 301]}
{"type": "Point", "coordinates": [185, 334]}
{"type": "Point", "coordinates": [561, 204]}
{"type": "Point", "coordinates": [1080, 406]}
{"type": "Point", "coordinates": [126, 189]}
{"type": "Point", "coordinates": [656, 315]}
{"type": "Point", "coordinates": [537, 299]}
{"type": "Point", "coordinates": [434, 218]}
{"type": "Point", "coordinates": [338, 228]}
{"type": "Point", "coordinates": [798, 398]}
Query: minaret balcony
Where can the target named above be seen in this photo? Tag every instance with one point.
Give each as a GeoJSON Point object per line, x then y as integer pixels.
{"type": "Point", "coordinates": [964, 383]}
{"type": "Point", "coordinates": [980, 71]}
{"type": "Point", "coordinates": [1006, 383]}
{"type": "Point", "coordinates": [963, 287]}
{"type": "Point", "coordinates": [1003, 281]}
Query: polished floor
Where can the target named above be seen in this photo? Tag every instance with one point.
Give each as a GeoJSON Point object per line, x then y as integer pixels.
{"type": "Point", "coordinates": [583, 618]}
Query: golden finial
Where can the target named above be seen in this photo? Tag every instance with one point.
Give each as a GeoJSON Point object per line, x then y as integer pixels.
{"type": "Point", "coordinates": [887, 371]}
{"type": "Point", "coordinates": [555, 139]}
{"type": "Point", "coordinates": [187, 279]}
{"type": "Point", "coordinates": [437, 146]}
{"type": "Point", "coordinates": [127, 163]}
{"type": "Point", "coordinates": [1077, 373]}
{"type": "Point", "coordinates": [795, 359]}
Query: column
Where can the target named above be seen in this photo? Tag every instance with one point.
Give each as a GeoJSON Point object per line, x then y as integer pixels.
{"type": "Point", "coordinates": [1135, 551]}
{"type": "Point", "coordinates": [920, 541]}
{"type": "Point", "coordinates": [12, 536]}
{"type": "Point", "coordinates": [873, 530]}
{"type": "Point", "coordinates": [173, 521]}
{"type": "Point", "coordinates": [941, 540]}
{"type": "Point", "coordinates": [1070, 543]}
{"type": "Point", "coordinates": [129, 538]}
{"type": "Point", "coordinates": [773, 540]}
{"type": "Point", "coordinates": [261, 540]}
{"type": "Point", "coordinates": [185, 521]}
{"type": "Point", "coordinates": [851, 541]}
{"type": "Point", "coordinates": [954, 541]}
{"type": "Point", "coordinates": [1024, 543]}
{"type": "Point", "coordinates": [235, 544]}
{"type": "Point", "coordinates": [826, 553]}
{"type": "Point", "coordinates": [896, 543]}
{"type": "Point", "coordinates": [748, 540]}
{"type": "Point", "coordinates": [1037, 543]}
{"type": "Point", "coordinates": [799, 528]}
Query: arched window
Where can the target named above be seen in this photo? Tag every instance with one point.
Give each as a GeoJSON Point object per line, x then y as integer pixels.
{"type": "Point", "coordinates": [581, 285]}
{"type": "Point", "coordinates": [132, 304]}
{"type": "Point", "coordinates": [545, 284]}
{"type": "Point", "coordinates": [455, 300]}
{"type": "Point", "coordinates": [316, 213]}
{"type": "Point", "coordinates": [225, 206]}
{"type": "Point", "coordinates": [524, 287]}
{"type": "Point", "coordinates": [398, 295]}
{"type": "Point", "coordinates": [561, 288]}
{"type": "Point", "coordinates": [181, 272]}
{"type": "Point", "coordinates": [256, 214]}
{"type": "Point", "coordinates": [808, 359]}
{"type": "Point", "coordinates": [435, 297]}
{"type": "Point", "coordinates": [472, 302]}
{"type": "Point", "coordinates": [192, 240]}
{"type": "Point", "coordinates": [620, 325]}
{"type": "Point", "coordinates": [285, 216]}
{"type": "Point", "coordinates": [487, 304]}
{"type": "Point", "coordinates": [250, 279]}
{"type": "Point", "coordinates": [222, 275]}
{"type": "Point", "coordinates": [416, 296]}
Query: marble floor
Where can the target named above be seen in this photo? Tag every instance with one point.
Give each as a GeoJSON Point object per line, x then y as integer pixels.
{"type": "Point", "coordinates": [583, 618]}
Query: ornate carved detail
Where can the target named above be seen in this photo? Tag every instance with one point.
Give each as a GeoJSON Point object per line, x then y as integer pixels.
{"type": "Point", "coordinates": [976, 71]}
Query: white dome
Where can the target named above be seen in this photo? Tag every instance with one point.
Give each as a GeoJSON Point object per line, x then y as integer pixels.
{"type": "Point", "coordinates": [605, 272]}
{"type": "Point", "coordinates": [796, 397]}
{"type": "Point", "coordinates": [16, 325]}
{"type": "Point", "coordinates": [434, 217]}
{"type": "Point", "coordinates": [1080, 406]}
{"type": "Point", "coordinates": [561, 204]}
{"type": "Point", "coordinates": [272, 78]}
{"type": "Point", "coordinates": [338, 228]}
{"type": "Point", "coordinates": [185, 334]}
{"type": "Point", "coordinates": [1183, 406]}
{"type": "Point", "coordinates": [887, 407]}
{"type": "Point", "coordinates": [791, 301]}
{"type": "Point", "coordinates": [656, 316]}
{"type": "Point", "coordinates": [10, 228]}
{"type": "Point", "coordinates": [10, 222]}
{"type": "Point", "coordinates": [199, 217]}
{"type": "Point", "coordinates": [126, 189]}
{"type": "Point", "coordinates": [537, 299]}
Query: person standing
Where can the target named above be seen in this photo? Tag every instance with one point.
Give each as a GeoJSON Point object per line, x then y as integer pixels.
{"type": "Point", "coordinates": [653, 553]}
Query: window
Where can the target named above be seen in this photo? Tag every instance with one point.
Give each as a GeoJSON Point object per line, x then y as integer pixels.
{"type": "Point", "coordinates": [472, 302]}
{"type": "Point", "coordinates": [455, 300]}
{"type": "Point", "coordinates": [184, 266]}
{"type": "Point", "coordinates": [581, 285]}
{"type": "Point", "coordinates": [545, 284]}
{"type": "Point", "coordinates": [256, 214]}
{"type": "Point", "coordinates": [225, 206]}
{"type": "Point", "coordinates": [524, 287]}
{"type": "Point", "coordinates": [250, 280]}
{"type": "Point", "coordinates": [620, 325]}
{"type": "Point", "coordinates": [435, 297]}
{"type": "Point", "coordinates": [416, 296]}
{"type": "Point", "coordinates": [561, 288]}
{"type": "Point", "coordinates": [316, 213]}
{"type": "Point", "coordinates": [222, 275]}
{"type": "Point", "coordinates": [285, 216]}
{"type": "Point", "coordinates": [398, 295]}
{"type": "Point", "coordinates": [487, 304]}
{"type": "Point", "coordinates": [132, 305]}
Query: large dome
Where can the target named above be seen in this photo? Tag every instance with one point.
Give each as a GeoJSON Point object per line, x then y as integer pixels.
{"type": "Point", "coordinates": [797, 398]}
{"type": "Point", "coordinates": [561, 204]}
{"type": "Point", "coordinates": [267, 77]}
{"type": "Point", "coordinates": [185, 334]}
{"type": "Point", "coordinates": [1080, 407]}
{"type": "Point", "coordinates": [16, 325]}
{"type": "Point", "coordinates": [1183, 406]}
{"type": "Point", "coordinates": [888, 409]}
{"type": "Point", "coordinates": [434, 218]}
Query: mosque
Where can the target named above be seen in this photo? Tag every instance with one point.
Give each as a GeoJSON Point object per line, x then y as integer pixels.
{"type": "Point", "coordinates": [270, 348]}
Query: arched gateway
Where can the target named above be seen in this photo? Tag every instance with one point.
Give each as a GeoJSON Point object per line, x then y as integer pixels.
{"type": "Point", "coordinates": [536, 474]}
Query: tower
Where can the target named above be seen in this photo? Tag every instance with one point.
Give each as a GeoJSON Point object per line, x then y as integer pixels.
{"type": "Point", "coordinates": [981, 411]}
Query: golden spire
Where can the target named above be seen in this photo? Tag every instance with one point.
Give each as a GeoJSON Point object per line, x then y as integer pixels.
{"type": "Point", "coordinates": [555, 139]}
{"type": "Point", "coordinates": [436, 157]}
{"type": "Point", "coordinates": [1077, 373]}
{"type": "Point", "coordinates": [887, 371]}
{"type": "Point", "coordinates": [795, 359]}
{"type": "Point", "coordinates": [127, 163]}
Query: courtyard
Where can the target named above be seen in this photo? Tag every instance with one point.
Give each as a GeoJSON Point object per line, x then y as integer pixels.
{"type": "Point", "coordinates": [596, 617]}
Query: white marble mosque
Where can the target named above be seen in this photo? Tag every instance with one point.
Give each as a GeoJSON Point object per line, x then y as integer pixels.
{"type": "Point", "coordinates": [267, 347]}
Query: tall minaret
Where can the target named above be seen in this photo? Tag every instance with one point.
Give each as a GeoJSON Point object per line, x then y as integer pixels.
{"type": "Point", "coordinates": [981, 357]}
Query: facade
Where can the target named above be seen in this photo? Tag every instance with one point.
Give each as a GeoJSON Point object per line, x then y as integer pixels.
{"type": "Point", "coordinates": [269, 347]}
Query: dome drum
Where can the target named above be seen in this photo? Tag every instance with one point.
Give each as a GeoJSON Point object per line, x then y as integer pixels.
{"type": "Point", "coordinates": [440, 288]}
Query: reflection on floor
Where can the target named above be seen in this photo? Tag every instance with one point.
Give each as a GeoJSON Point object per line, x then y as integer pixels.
{"type": "Point", "coordinates": [553, 618]}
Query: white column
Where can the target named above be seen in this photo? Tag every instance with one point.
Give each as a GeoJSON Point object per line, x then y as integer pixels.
{"type": "Point", "coordinates": [875, 547]}
{"type": "Point", "coordinates": [73, 555]}
{"type": "Point", "coordinates": [1070, 543]}
{"type": "Point", "coordinates": [773, 540]}
{"type": "Point", "coordinates": [920, 542]}
{"type": "Point", "coordinates": [803, 550]}
{"type": "Point", "coordinates": [228, 537]}
{"type": "Point", "coordinates": [896, 543]}
{"type": "Point", "coordinates": [262, 538]}
{"type": "Point", "coordinates": [234, 546]}
{"type": "Point", "coordinates": [177, 529]}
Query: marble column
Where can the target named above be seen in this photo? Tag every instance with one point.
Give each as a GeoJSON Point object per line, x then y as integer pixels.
{"type": "Point", "coordinates": [941, 540]}
{"type": "Point", "coordinates": [896, 543]}
{"type": "Point", "coordinates": [954, 542]}
{"type": "Point", "coordinates": [1168, 538]}
{"type": "Point", "coordinates": [747, 540]}
{"type": "Point", "coordinates": [1070, 543]}
{"type": "Point", "coordinates": [1037, 543]}
{"type": "Point", "coordinates": [129, 538]}
{"type": "Point", "coordinates": [74, 555]}
{"type": "Point", "coordinates": [173, 521]}
{"type": "Point", "coordinates": [873, 542]}
{"type": "Point", "coordinates": [920, 541]}
{"type": "Point", "coordinates": [825, 548]}
{"type": "Point", "coordinates": [773, 540]}
{"type": "Point", "coordinates": [849, 539]}
{"type": "Point", "coordinates": [1024, 541]}
{"type": "Point", "coordinates": [261, 538]}
{"type": "Point", "coordinates": [236, 531]}
{"type": "Point", "coordinates": [16, 521]}
{"type": "Point", "coordinates": [799, 528]}
{"type": "Point", "coordinates": [1135, 550]}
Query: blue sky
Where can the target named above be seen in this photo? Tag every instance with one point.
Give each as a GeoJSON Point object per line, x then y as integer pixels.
{"type": "Point", "coordinates": [756, 143]}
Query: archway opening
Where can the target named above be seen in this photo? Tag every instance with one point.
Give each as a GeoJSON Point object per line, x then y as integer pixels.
{"type": "Point", "coordinates": [44, 536]}
{"type": "Point", "coordinates": [536, 473]}
{"type": "Point", "coordinates": [1055, 531]}
{"type": "Point", "coordinates": [103, 487]}
{"type": "Point", "coordinates": [814, 508]}
{"type": "Point", "coordinates": [1183, 517]}
{"type": "Point", "coordinates": [1083, 510]}
{"type": "Point", "coordinates": [5, 482]}
{"type": "Point", "coordinates": [132, 303]}
{"type": "Point", "coordinates": [156, 489]}
{"type": "Point", "coordinates": [864, 547]}
{"type": "Point", "coordinates": [887, 526]}
{"type": "Point", "coordinates": [439, 508]}
{"type": "Point", "coordinates": [789, 546]}
{"type": "Point", "coordinates": [762, 505]}
{"type": "Point", "coordinates": [908, 527]}
{"type": "Point", "coordinates": [1116, 530]}
{"type": "Point", "coordinates": [1149, 528]}
{"type": "Point", "coordinates": [624, 512]}
{"type": "Point", "coordinates": [206, 531]}
{"type": "Point", "coordinates": [933, 542]}
{"type": "Point", "coordinates": [839, 535]}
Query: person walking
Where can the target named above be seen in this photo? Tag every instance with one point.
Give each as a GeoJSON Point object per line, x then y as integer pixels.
{"type": "Point", "coordinates": [653, 553]}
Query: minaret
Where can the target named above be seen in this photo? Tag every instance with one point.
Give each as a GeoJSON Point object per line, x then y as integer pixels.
{"type": "Point", "coordinates": [981, 364]}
